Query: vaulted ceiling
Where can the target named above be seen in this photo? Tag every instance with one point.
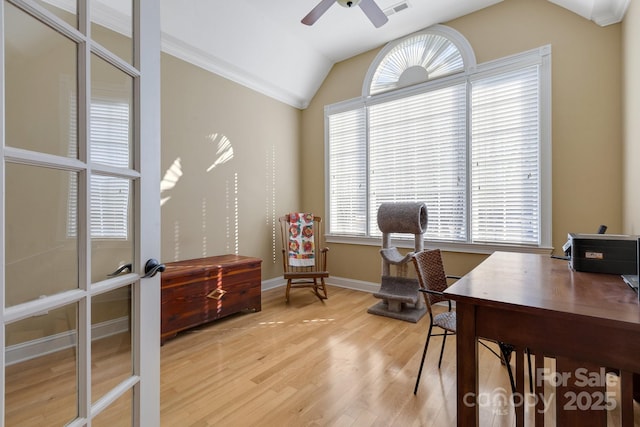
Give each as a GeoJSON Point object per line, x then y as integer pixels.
{"type": "Point", "coordinates": [263, 45]}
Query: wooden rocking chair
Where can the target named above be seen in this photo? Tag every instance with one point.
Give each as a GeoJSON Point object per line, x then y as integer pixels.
{"type": "Point", "coordinates": [309, 276]}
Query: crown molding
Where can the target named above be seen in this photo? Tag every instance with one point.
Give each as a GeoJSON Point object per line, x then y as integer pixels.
{"type": "Point", "coordinates": [602, 12]}
{"type": "Point", "coordinates": [182, 50]}
{"type": "Point", "coordinates": [610, 11]}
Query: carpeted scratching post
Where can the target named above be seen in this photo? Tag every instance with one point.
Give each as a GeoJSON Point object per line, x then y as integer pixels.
{"type": "Point", "coordinates": [399, 293]}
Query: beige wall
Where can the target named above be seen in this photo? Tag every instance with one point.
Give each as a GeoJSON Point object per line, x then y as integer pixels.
{"type": "Point", "coordinates": [278, 151]}
{"type": "Point", "coordinates": [631, 122]}
{"type": "Point", "coordinates": [586, 119]}
{"type": "Point", "coordinates": [229, 206]}
{"type": "Point", "coordinates": [587, 147]}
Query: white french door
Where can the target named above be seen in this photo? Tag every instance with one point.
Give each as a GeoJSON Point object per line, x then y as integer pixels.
{"type": "Point", "coordinates": [80, 212]}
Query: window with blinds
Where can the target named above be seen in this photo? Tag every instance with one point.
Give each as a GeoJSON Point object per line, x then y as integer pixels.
{"type": "Point", "coordinates": [471, 147]}
{"type": "Point", "coordinates": [348, 173]}
{"type": "Point", "coordinates": [417, 153]}
{"type": "Point", "coordinates": [110, 196]}
{"type": "Point", "coordinates": [505, 139]}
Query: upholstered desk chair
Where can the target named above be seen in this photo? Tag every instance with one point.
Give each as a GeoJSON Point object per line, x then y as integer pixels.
{"type": "Point", "coordinates": [433, 281]}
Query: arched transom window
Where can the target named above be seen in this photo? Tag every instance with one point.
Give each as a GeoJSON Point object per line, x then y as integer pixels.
{"type": "Point", "coordinates": [430, 54]}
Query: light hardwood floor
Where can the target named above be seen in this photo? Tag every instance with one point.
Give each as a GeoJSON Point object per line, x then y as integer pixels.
{"type": "Point", "coordinates": [306, 363]}
{"type": "Point", "coordinates": [313, 363]}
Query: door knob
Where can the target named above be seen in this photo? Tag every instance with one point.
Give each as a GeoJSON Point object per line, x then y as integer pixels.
{"type": "Point", "coordinates": [152, 267]}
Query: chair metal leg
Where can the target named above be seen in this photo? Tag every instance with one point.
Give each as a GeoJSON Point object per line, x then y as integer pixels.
{"type": "Point", "coordinates": [506, 351]}
{"type": "Point", "coordinates": [530, 369]}
{"type": "Point", "coordinates": [444, 340]}
{"type": "Point", "coordinates": [424, 353]}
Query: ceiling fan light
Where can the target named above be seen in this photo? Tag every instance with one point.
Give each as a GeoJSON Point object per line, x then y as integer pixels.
{"type": "Point", "coordinates": [348, 3]}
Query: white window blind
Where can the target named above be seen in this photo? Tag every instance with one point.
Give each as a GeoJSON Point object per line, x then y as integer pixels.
{"type": "Point", "coordinates": [505, 156]}
{"type": "Point", "coordinates": [417, 153]}
{"type": "Point", "coordinates": [72, 199]}
{"type": "Point", "coordinates": [110, 132]}
{"type": "Point", "coordinates": [348, 173]}
{"type": "Point", "coordinates": [110, 146]}
{"type": "Point", "coordinates": [110, 196]}
{"type": "Point", "coordinates": [475, 148]}
{"type": "Point", "coordinates": [109, 207]}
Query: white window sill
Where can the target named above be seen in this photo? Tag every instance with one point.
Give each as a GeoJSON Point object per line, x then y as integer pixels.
{"type": "Point", "coordinates": [474, 248]}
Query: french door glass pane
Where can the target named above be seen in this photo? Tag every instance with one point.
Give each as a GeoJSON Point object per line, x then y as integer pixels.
{"type": "Point", "coordinates": [67, 10]}
{"type": "Point", "coordinates": [40, 81]}
{"type": "Point", "coordinates": [118, 414]}
{"type": "Point", "coordinates": [41, 250]}
{"type": "Point", "coordinates": [111, 121]}
{"type": "Point", "coordinates": [111, 225]}
{"type": "Point", "coordinates": [112, 26]}
{"type": "Point", "coordinates": [111, 359]}
{"type": "Point", "coordinates": [41, 373]}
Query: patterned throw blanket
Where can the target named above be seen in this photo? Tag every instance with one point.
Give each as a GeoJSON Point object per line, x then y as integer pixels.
{"type": "Point", "coordinates": [301, 250]}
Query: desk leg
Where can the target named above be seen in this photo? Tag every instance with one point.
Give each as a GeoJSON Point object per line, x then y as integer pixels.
{"type": "Point", "coordinates": [467, 365]}
{"type": "Point", "coordinates": [539, 389]}
{"type": "Point", "coordinates": [626, 398]}
{"type": "Point", "coordinates": [520, 402]}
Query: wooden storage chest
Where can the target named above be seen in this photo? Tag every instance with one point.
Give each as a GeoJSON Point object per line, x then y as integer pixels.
{"type": "Point", "coordinates": [197, 291]}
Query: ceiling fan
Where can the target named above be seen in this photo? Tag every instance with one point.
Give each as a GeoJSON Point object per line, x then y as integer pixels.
{"type": "Point", "coordinates": [369, 7]}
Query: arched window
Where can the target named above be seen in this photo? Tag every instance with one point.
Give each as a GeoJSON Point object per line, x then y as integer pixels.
{"type": "Point", "coordinates": [430, 54]}
{"type": "Point", "coordinates": [470, 140]}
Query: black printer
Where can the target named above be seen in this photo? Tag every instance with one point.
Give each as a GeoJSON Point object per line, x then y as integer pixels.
{"type": "Point", "coordinates": [604, 253]}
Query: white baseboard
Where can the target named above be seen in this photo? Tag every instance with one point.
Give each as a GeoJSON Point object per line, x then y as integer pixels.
{"type": "Point", "coordinates": [356, 285]}
{"type": "Point", "coordinates": [273, 283]}
{"type": "Point", "coordinates": [341, 282]}
{"type": "Point", "coordinates": [39, 347]}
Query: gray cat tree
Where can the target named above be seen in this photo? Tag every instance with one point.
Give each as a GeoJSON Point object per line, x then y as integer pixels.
{"type": "Point", "coordinates": [399, 293]}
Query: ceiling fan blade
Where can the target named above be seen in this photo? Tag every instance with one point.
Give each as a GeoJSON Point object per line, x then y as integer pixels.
{"type": "Point", "coordinates": [317, 12]}
{"type": "Point", "coordinates": [374, 13]}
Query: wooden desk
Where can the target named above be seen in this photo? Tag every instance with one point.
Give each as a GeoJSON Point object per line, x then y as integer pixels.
{"type": "Point", "coordinates": [536, 302]}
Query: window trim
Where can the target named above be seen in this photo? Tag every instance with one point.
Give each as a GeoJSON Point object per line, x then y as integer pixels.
{"type": "Point", "coordinates": [539, 56]}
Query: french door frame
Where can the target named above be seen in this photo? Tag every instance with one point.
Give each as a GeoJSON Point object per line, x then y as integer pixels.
{"type": "Point", "coordinates": [145, 175]}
